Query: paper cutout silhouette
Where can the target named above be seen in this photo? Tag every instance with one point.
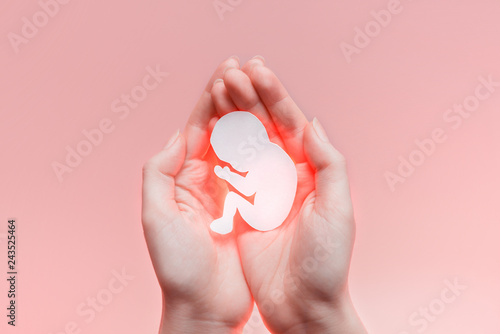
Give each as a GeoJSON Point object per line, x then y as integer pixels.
{"type": "Point", "coordinates": [240, 140]}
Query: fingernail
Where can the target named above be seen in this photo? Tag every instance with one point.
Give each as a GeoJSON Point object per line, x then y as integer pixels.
{"type": "Point", "coordinates": [217, 81]}
{"type": "Point", "coordinates": [255, 63]}
{"type": "Point", "coordinates": [172, 139]}
{"type": "Point", "coordinates": [320, 131]}
{"type": "Point", "coordinates": [260, 57]}
{"type": "Point", "coordinates": [227, 69]}
{"type": "Point", "coordinates": [235, 57]}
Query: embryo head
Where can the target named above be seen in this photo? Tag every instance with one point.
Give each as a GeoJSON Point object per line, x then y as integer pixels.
{"type": "Point", "coordinates": [237, 137]}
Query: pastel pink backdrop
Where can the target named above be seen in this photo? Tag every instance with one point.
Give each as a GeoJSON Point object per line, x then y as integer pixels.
{"type": "Point", "coordinates": [441, 224]}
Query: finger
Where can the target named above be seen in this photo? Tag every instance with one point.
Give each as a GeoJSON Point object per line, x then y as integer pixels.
{"type": "Point", "coordinates": [289, 119]}
{"type": "Point", "coordinates": [245, 97]}
{"type": "Point", "coordinates": [331, 182]}
{"type": "Point", "coordinates": [158, 190]}
{"type": "Point", "coordinates": [256, 60]}
{"type": "Point", "coordinates": [196, 131]}
{"type": "Point", "coordinates": [222, 100]}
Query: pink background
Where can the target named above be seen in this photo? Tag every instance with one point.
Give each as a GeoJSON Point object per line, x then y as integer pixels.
{"type": "Point", "coordinates": [441, 224]}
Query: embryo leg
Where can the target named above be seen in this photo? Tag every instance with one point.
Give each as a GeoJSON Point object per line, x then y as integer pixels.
{"type": "Point", "coordinates": [233, 201]}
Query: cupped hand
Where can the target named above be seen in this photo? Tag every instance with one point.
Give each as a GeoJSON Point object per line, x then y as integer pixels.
{"type": "Point", "coordinates": [298, 272]}
{"type": "Point", "coordinates": [199, 272]}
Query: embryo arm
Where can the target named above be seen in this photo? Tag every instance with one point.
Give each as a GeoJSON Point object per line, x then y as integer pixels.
{"type": "Point", "coordinates": [240, 183]}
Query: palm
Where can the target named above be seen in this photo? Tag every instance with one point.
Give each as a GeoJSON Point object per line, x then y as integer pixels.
{"type": "Point", "coordinates": [207, 265]}
{"type": "Point", "coordinates": [181, 197]}
{"type": "Point", "coordinates": [193, 264]}
{"type": "Point", "coordinates": [305, 261]}
{"type": "Point", "coordinates": [266, 255]}
{"type": "Point", "coordinates": [296, 254]}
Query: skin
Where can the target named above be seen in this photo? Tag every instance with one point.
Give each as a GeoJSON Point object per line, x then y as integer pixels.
{"type": "Point", "coordinates": [200, 274]}
{"type": "Point", "coordinates": [297, 274]}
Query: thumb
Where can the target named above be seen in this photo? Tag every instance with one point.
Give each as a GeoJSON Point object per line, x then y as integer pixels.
{"type": "Point", "coordinates": [331, 182]}
{"type": "Point", "coordinates": [158, 190]}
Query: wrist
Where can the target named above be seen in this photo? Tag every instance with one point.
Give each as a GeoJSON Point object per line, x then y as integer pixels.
{"type": "Point", "coordinates": [343, 319]}
{"type": "Point", "coordinates": [338, 318]}
{"type": "Point", "coordinates": [186, 319]}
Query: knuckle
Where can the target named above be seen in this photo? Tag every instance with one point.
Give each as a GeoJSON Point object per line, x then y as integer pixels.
{"type": "Point", "coordinates": [340, 160]}
{"type": "Point", "coordinates": [228, 62]}
{"type": "Point", "coordinates": [148, 167]}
